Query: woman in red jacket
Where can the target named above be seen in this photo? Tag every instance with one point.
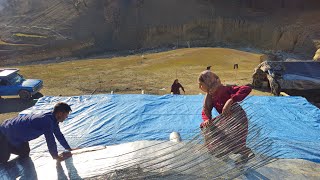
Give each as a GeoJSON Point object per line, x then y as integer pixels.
{"type": "Point", "coordinates": [226, 133]}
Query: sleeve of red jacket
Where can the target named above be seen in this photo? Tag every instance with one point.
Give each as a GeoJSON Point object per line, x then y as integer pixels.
{"type": "Point", "coordinates": [207, 108]}
{"type": "Point", "coordinates": [204, 116]}
{"type": "Point", "coordinates": [240, 92]}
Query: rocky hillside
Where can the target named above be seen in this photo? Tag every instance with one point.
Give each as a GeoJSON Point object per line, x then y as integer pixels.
{"type": "Point", "coordinates": [41, 29]}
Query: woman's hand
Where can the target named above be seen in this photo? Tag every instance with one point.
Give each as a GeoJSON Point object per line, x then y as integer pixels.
{"type": "Point", "coordinates": [227, 107]}
{"type": "Point", "coordinates": [206, 123]}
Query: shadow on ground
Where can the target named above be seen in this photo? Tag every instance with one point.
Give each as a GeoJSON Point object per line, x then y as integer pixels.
{"type": "Point", "coordinates": [255, 175]}
{"type": "Point", "coordinates": [19, 168]}
{"type": "Point", "coordinates": [8, 105]}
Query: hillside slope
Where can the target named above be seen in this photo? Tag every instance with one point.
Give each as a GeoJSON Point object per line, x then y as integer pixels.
{"type": "Point", "coordinates": [83, 27]}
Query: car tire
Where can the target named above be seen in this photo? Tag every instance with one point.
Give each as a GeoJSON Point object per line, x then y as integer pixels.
{"type": "Point", "coordinates": [24, 95]}
{"type": "Point", "coordinates": [37, 95]}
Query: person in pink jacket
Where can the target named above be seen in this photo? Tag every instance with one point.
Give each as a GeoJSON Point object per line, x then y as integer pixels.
{"type": "Point", "coordinates": [226, 133]}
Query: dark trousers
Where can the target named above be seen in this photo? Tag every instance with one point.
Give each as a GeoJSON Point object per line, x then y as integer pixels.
{"type": "Point", "coordinates": [6, 149]}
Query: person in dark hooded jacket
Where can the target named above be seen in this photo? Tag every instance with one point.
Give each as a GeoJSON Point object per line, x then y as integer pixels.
{"type": "Point", "coordinates": [16, 133]}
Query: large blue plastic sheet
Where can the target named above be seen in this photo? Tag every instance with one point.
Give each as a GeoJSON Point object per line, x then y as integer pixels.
{"type": "Point", "coordinates": [303, 68]}
{"type": "Point", "coordinates": [291, 122]}
{"type": "Point", "coordinates": [296, 75]}
{"type": "Point", "coordinates": [114, 119]}
{"type": "Point", "coordinates": [121, 128]}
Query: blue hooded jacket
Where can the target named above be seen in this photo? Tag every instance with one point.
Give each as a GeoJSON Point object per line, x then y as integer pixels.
{"type": "Point", "coordinates": [24, 128]}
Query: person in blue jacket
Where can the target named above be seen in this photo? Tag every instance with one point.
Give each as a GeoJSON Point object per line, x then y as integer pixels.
{"type": "Point", "coordinates": [16, 133]}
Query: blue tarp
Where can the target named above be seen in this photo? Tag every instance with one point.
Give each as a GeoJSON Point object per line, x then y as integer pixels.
{"type": "Point", "coordinates": [302, 68]}
{"type": "Point", "coordinates": [291, 122]}
{"type": "Point", "coordinates": [294, 75]}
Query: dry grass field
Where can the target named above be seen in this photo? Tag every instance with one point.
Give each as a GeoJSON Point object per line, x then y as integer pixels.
{"type": "Point", "coordinates": [154, 73]}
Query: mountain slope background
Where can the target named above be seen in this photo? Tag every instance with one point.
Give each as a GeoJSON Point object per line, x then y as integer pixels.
{"type": "Point", "coordinates": [32, 30]}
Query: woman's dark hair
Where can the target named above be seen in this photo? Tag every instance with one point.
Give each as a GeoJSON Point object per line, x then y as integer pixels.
{"type": "Point", "coordinates": [61, 107]}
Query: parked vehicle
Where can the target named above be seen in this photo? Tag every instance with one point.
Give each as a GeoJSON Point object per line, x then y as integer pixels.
{"type": "Point", "coordinates": [12, 84]}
